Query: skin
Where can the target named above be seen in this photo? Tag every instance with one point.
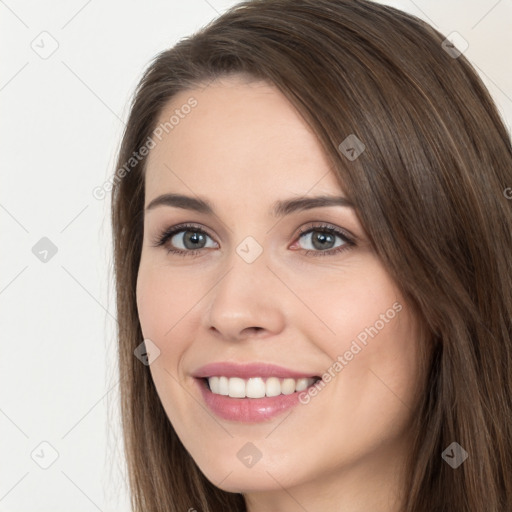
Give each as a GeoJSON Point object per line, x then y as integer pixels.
{"type": "Point", "coordinates": [243, 147]}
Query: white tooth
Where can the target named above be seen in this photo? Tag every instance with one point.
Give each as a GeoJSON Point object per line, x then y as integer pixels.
{"type": "Point", "coordinates": [302, 384]}
{"type": "Point", "coordinates": [214, 384]}
{"type": "Point", "coordinates": [236, 387]}
{"type": "Point", "coordinates": [223, 386]}
{"type": "Point", "coordinates": [288, 386]}
{"type": "Point", "coordinates": [273, 386]}
{"type": "Point", "coordinates": [255, 388]}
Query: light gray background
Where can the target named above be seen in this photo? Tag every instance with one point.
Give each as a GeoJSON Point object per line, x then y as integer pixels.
{"type": "Point", "coordinates": [62, 118]}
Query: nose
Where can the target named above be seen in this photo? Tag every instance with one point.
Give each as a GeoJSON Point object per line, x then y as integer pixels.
{"type": "Point", "coordinates": [247, 301]}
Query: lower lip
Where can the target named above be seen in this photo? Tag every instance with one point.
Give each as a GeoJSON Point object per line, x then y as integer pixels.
{"type": "Point", "coordinates": [247, 410]}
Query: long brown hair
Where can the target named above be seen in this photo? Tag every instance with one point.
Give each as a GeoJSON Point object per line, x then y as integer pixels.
{"type": "Point", "coordinates": [429, 189]}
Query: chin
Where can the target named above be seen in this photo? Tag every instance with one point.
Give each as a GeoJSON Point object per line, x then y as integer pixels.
{"type": "Point", "coordinates": [235, 477]}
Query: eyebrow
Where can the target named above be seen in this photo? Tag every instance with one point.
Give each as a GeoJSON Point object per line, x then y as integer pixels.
{"type": "Point", "coordinates": [279, 209]}
{"type": "Point", "coordinates": [282, 208]}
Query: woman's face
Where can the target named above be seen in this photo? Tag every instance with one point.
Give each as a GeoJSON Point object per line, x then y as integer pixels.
{"type": "Point", "coordinates": [256, 285]}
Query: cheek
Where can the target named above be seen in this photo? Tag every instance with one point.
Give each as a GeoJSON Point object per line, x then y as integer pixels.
{"type": "Point", "coordinates": [162, 310]}
{"type": "Point", "coordinates": [357, 303]}
{"type": "Point", "coordinates": [373, 343]}
{"type": "Point", "coordinates": [163, 299]}
{"type": "Point", "coordinates": [151, 304]}
{"type": "Point", "coordinates": [168, 303]}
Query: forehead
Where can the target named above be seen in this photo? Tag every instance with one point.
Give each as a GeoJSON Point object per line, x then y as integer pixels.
{"type": "Point", "coordinates": [240, 136]}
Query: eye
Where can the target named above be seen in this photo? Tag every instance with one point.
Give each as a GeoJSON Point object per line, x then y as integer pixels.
{"type": "Point", "coordinates": [189, 239]}
{"type": "Point", "coordinates": [322, 240]}
{"type": "Point", "coordinates": [185, 239]}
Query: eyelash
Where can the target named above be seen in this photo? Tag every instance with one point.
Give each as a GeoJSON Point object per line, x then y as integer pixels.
{"type": "Point", "coordinates": [167, 234]}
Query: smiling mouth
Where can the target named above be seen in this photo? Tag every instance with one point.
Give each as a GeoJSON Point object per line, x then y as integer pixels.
{"type": "Point", "coordinates": [257, 387]}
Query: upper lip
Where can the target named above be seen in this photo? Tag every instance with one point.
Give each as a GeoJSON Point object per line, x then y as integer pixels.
{"type": "Point", "coordinates": [245, 371]}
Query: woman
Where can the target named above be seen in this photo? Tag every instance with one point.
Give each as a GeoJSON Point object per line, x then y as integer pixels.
{"type": "Point", "coordinates": [312, 239]}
